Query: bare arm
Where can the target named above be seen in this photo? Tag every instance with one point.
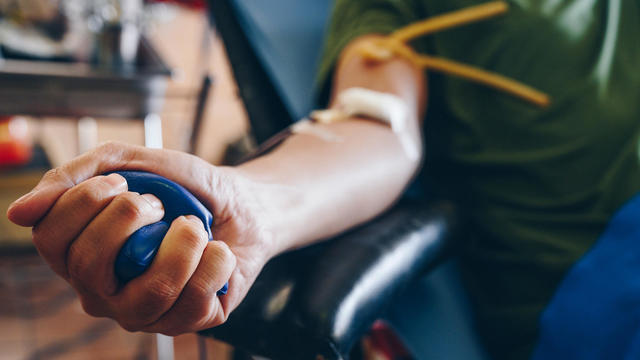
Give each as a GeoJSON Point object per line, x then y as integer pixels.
{"type": "Point", "coordinates": [326, 187]}
{"type": "Point", "coordinates": [305, 190]}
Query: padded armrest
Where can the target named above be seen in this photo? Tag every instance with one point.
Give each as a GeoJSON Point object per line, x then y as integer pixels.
{"type": "Point", "coordinates": [319, 300]}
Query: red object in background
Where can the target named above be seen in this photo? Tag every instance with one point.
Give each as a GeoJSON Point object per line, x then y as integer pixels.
{"type": "Point", "coordinates": [198, 4]}
{"type": "Point", "coordinates": [381, 343]}
{"type": "Point", "coordinates": [15, 148]}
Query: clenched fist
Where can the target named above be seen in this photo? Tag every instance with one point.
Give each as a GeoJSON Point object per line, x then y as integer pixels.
{"type": "Point", "coordinates": [81, 219]}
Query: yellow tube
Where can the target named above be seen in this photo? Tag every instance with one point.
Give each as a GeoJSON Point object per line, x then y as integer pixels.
{"type": "Point", "coordinates": [383, 49]}
{"type": "Point", "coordinates": [450, 20]}
{"type": "Point", "coordinates": [493, 80]}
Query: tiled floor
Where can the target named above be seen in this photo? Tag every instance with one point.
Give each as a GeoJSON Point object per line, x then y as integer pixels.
{"type": "Point", "coordinates": [40, 318]}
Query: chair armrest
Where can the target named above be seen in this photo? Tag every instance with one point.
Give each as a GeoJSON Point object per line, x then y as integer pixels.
{"type": "Point", "coordinates": [319, 300]}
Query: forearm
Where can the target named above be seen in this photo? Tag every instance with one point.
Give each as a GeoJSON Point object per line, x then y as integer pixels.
{"type": "Point", "coordinates": [305, 190]}
{"type": "Point", "coordinates": [311, 188]}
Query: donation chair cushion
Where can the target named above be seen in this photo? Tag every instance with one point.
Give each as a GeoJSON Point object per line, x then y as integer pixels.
{"type": "Point", "coordinates": [320, 300]}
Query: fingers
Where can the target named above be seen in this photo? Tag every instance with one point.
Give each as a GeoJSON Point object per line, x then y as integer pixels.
{"type": "Point", "coordinates": [177, 294]}
{"type": "Point", "coordinates": [69, 216]}
{"type": "Point", "coordinates": [198, 307]}
{"type": "Point", "coordinates": [27, 210]}
{"type": "Point", "coordinates": [146, 298]}
{"type": "Point", "coordinates": [91, 257]}
{"type": "Point", "coordinates": [73, 215]}
{"type": "Point", "coordinates": [193, 173]}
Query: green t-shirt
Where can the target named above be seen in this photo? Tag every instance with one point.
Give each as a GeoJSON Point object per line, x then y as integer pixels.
{"type": "Point", "coordinates": [537, 185]}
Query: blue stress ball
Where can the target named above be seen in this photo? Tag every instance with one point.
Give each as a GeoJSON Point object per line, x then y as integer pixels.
{"type": "Point", "coordinates": [138, 252]}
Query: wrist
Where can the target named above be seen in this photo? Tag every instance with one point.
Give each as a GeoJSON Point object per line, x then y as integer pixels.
{"type": "Point", "coordinates": [267, 207]}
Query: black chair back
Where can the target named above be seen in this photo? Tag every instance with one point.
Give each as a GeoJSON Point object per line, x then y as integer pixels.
{"type": "Point", "coordinates": [267, 112]}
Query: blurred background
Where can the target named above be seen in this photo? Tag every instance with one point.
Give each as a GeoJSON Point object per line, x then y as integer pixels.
{"type": "Point", "coordinates": [74, 73]}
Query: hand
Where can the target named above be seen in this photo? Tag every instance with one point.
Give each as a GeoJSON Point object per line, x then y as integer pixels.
{"type": "Point", "coordinates": [81, 219]}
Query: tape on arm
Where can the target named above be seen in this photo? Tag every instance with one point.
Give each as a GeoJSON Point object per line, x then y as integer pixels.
{"type": "Point", "coordinates": [382, 107]}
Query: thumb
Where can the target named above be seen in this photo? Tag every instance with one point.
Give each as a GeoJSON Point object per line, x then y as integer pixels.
{"type": "Point", "coordinates": [27, 210]}
{"type": "Point", "coordinates": [30, 208]}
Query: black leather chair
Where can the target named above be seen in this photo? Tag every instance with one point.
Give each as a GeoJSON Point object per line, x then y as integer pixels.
{"type": "Point", "coordinates": [315, 303]}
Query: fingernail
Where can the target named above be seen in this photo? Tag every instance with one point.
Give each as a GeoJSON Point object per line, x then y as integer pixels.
{"type": "Point", "coordinates": [154, 201]}
{"type": "Point", "coordinates": [116, 180]}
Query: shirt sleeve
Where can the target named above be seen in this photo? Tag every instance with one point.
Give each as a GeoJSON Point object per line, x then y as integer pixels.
{"type": "Point", "coordinates": [354, 18]}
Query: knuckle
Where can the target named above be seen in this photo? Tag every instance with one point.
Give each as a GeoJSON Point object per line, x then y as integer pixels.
{"type": "Point", "coordinates": [199, 290]}
{"type": "Point", "coordinates": [56, 175]}
{"type": "Point", "coordinates": [76, 264]}
{"type": "Point", "coordinates": [108, 147]}
{"type": "Point", "coordinates": [115, 152]}
{"type": "Point", "coordinates": [110, 152]}
{"type": "Point", "coordinates": [130, 206]}
{"type": "Point", "coordinates": [222, 255]}
{"type": "Point", "coordinates": [162, 288]}
{"type": "Point", "coordinates": [87, 196]}
{"type": "Point", "coordinates": [51, 173]}
{"type": "Point", "coordinates": [134, 321]}
{"type": "Point", "coordinates": [226, 254]}
{"type": "Point", "coordinates": [129, 326]}
{"type": "Point", "coordinates": [158, 296]}
{"type": "Point", "coordinates": [91, 308]}
{"type": "Point", "coordinates": [198, 303]}
{"type": "Point", "coordinates": [192, 235]}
